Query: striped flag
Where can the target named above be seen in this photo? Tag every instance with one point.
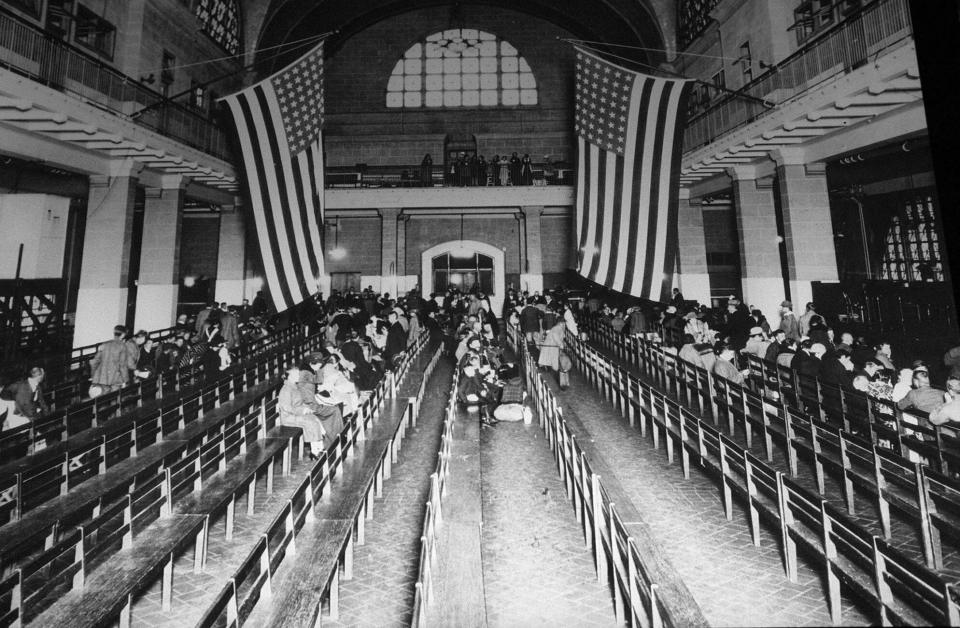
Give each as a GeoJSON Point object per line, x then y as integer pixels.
{"type": "Point", "coordinates": [628, 135]}
{"type": "Point", "coordinates": [279, 124]}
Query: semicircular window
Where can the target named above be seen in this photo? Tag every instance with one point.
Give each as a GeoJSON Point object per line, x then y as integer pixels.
{"type": "Point", "coordinates": [461, 67]}
{"type": "Point", "coordinates": [220, 19]}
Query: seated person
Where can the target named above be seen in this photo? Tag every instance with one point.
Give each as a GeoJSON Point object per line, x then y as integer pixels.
{"type": "Point", "coordinates": [23, 400]}
{"type": "Point", "coordinates": [320, 401]}
{"type": "Point", "coordinates": [296, 412]}
{"type": "Point", "coordinates": [474, 389]}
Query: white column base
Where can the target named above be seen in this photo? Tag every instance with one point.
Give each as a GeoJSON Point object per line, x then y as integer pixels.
{"type": "Point", "coordinates": [694, 286]}
{"type": "Point", "coordinates": [532, 283]}
{"type": "Point", "coordinates": [230, 290]}
{"type": "Point", "coordinates": [766, 294]}
{"type": "Point", "coordinates": [99, 310]}
{"type": "Point", "coordinates": [157, 306]}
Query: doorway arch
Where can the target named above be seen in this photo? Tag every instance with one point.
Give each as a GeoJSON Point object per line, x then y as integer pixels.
{"type": "Point", "coordinates": [459, 247]}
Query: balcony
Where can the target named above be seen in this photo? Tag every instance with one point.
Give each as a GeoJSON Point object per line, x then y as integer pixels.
{"type": "Point", "coordinates": [30, 51]}
{"type": "Point", "coordinates": [880, 26]}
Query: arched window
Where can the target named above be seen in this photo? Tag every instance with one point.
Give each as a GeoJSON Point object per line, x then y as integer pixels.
{"type": "Point", "coordinates": [220, 19]}
{"type": "Point", "coordinates": [461, 67]}
{"type": "Point", "coordinates": [468, 271]}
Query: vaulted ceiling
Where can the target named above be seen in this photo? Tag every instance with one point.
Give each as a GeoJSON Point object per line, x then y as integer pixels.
{"type": "Point", "coordinates": [632, 23]}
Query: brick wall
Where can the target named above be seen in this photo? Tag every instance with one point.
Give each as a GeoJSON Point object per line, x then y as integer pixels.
{"type": "Point", "coordinates": [557, 238]}
{"type": "Point", "coordinates": [360, 238]}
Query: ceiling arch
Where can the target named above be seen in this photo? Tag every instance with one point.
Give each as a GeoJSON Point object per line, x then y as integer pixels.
{"type": "Point", "coordinates": [613, 22]}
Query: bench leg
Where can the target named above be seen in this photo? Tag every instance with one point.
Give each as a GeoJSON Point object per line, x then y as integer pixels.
{"type": "Point", "coordinates": [362, 526]}
{"type": "Point", "coordinates": [388, 466]}
{"type": "Point", "coordinates": [378, 481]}
{"type": "Point", "coordinates": [125, 613]}
{"type": "Point", "coordinates": [200, 547]}
{"type": "Point", "coordinates": [348, 560]}
{"type": "Point", "coordinates": [166, 587]}
{"type": "Point", "coordinates": [369, 506]}
{"type": "Point", "coordinates": [251, 495]}
{"type": "Point", "coordinates": [231, 508]}
{"type": "Point", "coordinates": [334, 597]}
{"type": "Point", "coordinates": [270, 477]}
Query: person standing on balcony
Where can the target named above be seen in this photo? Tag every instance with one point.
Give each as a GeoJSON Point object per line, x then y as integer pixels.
{"type": "Point", "coordinates": [515, 168]}
{"type": "Point", "coordinates": [504, 171]}
{"type": "Point", "coordinates": [526, 170]}
{"type": "Point", "coordinates": [426, 171]}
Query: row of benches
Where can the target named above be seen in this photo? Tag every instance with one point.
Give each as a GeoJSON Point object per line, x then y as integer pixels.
{"type": "Point", "coordinates": [894, 586]}
{"type": "Point", "coordinates": [324, 539]}
{"type": "Point", "coordinates": [202, 484]}
{"type": "Point", "coordinates": [879, 420]}
{"type": "Point", "coordinates": [433, 517]}
{"type": "Point", "coordinates": [930, 500]}
{"type": "Point", "coordinates": [633, 572]}
{"type": "Point", "coordinates": [73, 416]}
{"type": "Point", "coordinates": [27, 483]}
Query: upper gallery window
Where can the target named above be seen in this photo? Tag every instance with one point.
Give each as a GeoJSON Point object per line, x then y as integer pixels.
{"type": "Point", "coordinates": [220, 19]}
{"type": "Point", "coordinates": [461, 67]}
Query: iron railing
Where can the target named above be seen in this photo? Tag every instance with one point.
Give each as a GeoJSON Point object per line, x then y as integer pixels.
{"type": "Point", "coordinates": [837, 51]}
{"type": "Point", "coordinates": [41, 56]}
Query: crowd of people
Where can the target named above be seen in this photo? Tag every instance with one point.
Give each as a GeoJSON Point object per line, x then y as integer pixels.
{"type": "Point", "coordinates": [720, 340]}
{"type": "Point", "coordinates": [473, 170]}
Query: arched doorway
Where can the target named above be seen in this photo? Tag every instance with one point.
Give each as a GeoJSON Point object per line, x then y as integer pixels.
{"type": "Point", "coordinates": [466, 264]}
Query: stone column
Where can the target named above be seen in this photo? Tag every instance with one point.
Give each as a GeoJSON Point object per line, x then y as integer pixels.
{"type": "Point", "coordinates": [762, 280]}
{"type": "Point", "coordinates": [158, 284]}
{"type": "Point", "coordinates": [231, 257]}
{"type": "Point", "coordinates": [692, 276]}
{"type": "Point", "coordinates": [388, 247]}
{"type": "Point", "coordinates": [104, 273]}
{"type": "Point", "coordinates": [808, 230]}
{"type": "Point", "coordinates": [531, 274]}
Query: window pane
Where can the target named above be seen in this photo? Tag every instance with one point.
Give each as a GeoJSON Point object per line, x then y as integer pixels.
{"type": "Point", "coordinates": [471, 81]}
{"type": "Point", "coordinates": [412, 99]}
{"type": "Point", "coordinates": [485, 36]}
{"type": "Point", "coordinates": [488, 81]}
{"type": "Point", "coordinates": [472, 51]}
{"type": "Point", "coordinates": [470, 33]}
{"type": "Point", "coordinates": [524, 66]}
{"type": "Point", "coordinates": [510, 81]}
{"type": "Point", "coordinates": [434, 66]}
{"type": "Point", "coordinates": [451, 66]}
{"type": "Point", "coordinates": [434, 82]}
{"type": "Point", "coordinates": [488, 98]}
{"type": "Point", "coordinates": [433, 51]}
{"type": "Point", "coordinates": [488, 64]}
{"type": "Point", "coordinates": [527, 81]}
{"type": "Point", "coordinates": [396, 99]}
{"type": "Point", "coordinates": [507, 50]}
{"type": "Point", "coordinates": [511, 97]}
{"type": "Point", "coordinates": [415, 52]}
{"type": "Point", "coordinates": [471, 65]}
{"type": "Point", "coordinates": [488, 49]}
{"type": "Point", "coordinates": [395, 84]}
{"type": "Point", "coordinates": [412, 83]}
{"type": "Point", "coordinates": [434, 99]}
{"type": "Point", "coordinates": [508, 64]}
{"type": "Point", "coordinates": [528, 96]}
{"type": "Point", "coordinates": [413, 66]}
{"type": "Point", "coordinates": [471, 98]}
{"type": "Point", "coordinates": [451, 81]}
{"type": "Point", "coordinates": [451, 99]}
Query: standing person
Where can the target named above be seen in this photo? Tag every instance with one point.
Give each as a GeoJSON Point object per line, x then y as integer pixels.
{"type": "Point", "coordinates": [504, 178]}
{"type": "Point", "coordinates": [295, 412]}
{"type": "Point", "coordinates": [804, 321]}
{"type": "Point", "coordinates": [788, 322]}
{"type": "Point", "coordinates": [530, 324]}
{"type": "Point", "coordinates": [426, 171]}
{"type": "Point", "coordinates": [526, 170]}
{"type": "Point", "coordinates": [515, 167]}
{"type": "Point", "coordinates": [396, 340]}
{"type": "Point", "coordinates": [110, 367]}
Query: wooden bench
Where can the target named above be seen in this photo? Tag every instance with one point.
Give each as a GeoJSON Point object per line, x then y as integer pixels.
{"type": "Point", "coordinates": [942, 496]}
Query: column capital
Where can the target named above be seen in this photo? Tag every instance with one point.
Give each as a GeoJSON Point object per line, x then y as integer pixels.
{"type": "Point", "coordinates": [99, 181]}
{"type": "Point", "coordinates": [125, 168]}
{"type": "Point", "coordinates": [532, 210]}
{"type": "Point", "coordinates": [684, 194]}
{"type": "Point", "coordinates": [789, 156]}
{"type": "Point", "coordinates": [174, 182]}
{"type": "Point", "coordinates": [742, 173]}
{"type": "Point", "coordinates": [389, 212]}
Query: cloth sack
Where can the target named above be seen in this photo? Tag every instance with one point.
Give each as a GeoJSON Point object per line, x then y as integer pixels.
{"type": "Point", "coordinates": [513, 412]}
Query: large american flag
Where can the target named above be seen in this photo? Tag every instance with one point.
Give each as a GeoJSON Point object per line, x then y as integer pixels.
{"type": "Point", "coordinates": [628, 127]}
{"type": "Point", "coordinates": [279, 124]}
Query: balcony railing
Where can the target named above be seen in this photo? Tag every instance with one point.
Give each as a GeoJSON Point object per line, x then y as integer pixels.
{"type": "Point", "coordinates": [413, 176]}
{"type": "Point", "coordinates": [29, 50]}
{"type": "Point", "coordinates": [837, 51]}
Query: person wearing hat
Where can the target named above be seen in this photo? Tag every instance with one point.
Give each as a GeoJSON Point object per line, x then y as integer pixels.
{"type": "Point", "coordinates": [757, 343]}
{"type": "Point", "coordinates": [296, 409]}
{"type": "Point", "coordinates": [788, 322]}
{"type": "Point", "coordinates": [777, 345]}
{"type": "Point", "coordinates": [318, 399]}
{"type": "Point", "coordinates": [724, 367]}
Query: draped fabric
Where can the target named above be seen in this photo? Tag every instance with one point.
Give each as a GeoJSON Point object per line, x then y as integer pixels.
{"type": "Point", "coordinates": [279, 122]}
{"type": "Point", "coordinates": [629, 136]}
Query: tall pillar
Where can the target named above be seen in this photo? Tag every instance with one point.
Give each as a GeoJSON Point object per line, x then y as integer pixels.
{"type": "Point", "coordinates": [158, 284]}
{"type": "Point", "coordinates": [531, 274]}
{"type": "Point", "coordinates": [807, 227]}
{"type": "Point", "coordinates": [104, 274]}
{"type": "Point", "coordinates": [692, 276]}
{"type": "Point", "coordinates": [231, 257]}
{"type": "Point", "coordinates": [761, 277]}
{"type": "Point", "coordinates": [388, 248]}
